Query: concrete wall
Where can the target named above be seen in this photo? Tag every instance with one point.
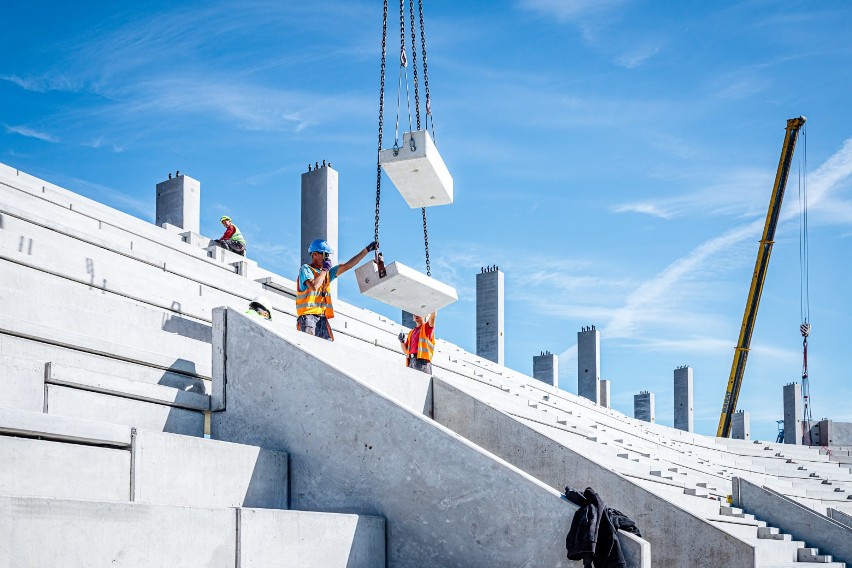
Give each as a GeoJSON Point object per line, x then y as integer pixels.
{"type": "Point", "coordinates": [447, 503]}
{"type": "Point", "coordinates": [832, 433]}
{"type": "Point", "coordinates": [683, 399]}
{"type": "Point", "coordinates": [793, 414]}
{"type": "Point", "coordinates": [678, 538]}
{"type": "Point", "coordinates": [606, 395]}
{"type": "Point", "coordinates": [589, 363]}
{"type": "Point", "coordinates": [490, 315]}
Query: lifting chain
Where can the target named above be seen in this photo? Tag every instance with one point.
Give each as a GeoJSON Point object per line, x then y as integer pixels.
{"type": "Point", "coordinates": [381, 123]}
{"type": "Point", "coordinates": [414, 64]}
{"type": "Point", "coordinates": [426, 72]}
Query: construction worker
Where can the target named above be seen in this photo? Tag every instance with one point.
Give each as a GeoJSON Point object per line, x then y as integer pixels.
{"type": "Point", "coordinates": [258, 308]}
{"type": "Point", "coordinates": [232, 239]}
{"type": "Point", "coordinates": [419, 344]}
{"type": "Point", "coordinates": [313, 288]}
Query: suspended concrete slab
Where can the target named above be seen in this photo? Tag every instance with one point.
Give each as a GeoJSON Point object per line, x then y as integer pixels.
{"type": "Point", "coordinates": [418, 172]}
{"type": "Point", "coordinates": [404, 288]}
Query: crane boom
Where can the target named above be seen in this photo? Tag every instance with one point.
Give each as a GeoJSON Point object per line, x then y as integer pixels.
{"type": "Point", "coordinates": [735, 379]}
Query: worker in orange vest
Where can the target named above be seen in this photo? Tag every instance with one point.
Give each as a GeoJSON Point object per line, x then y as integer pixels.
{"type": "Point", "coordinates": [419, 344]}
{"type": "Point", "coordinates": [313, 288]}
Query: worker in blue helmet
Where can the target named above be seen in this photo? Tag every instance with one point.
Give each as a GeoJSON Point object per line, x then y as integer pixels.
{"type": "Point", "coordinates": [313, 288]}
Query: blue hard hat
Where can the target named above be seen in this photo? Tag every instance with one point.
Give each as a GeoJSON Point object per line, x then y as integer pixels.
{"type": "Point", "coordinates": [319, 245]}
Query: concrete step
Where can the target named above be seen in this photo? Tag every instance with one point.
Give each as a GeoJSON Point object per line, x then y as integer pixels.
{"type": "Point", "coordinates": [66, 458]}
{"type": "Point", "coordinates": [812, 555]}
{"type": "Point", "coordinates": [52, 532]}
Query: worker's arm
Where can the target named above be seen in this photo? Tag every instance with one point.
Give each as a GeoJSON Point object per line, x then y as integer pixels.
{"type": "Point", "coordinates": [403, 342]}
{"type": "Point", "coordinates": [352, 262]}
{"type": "Point", "coordinates": [228, 233]}
{"type": "Point", "coordinates": [315, 282]}
{"type": "Point", "coordinates": [430, 319]}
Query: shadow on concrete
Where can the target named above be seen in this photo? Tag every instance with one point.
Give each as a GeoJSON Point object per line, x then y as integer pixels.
{"type": "Point", "coordinates": [188, 328]}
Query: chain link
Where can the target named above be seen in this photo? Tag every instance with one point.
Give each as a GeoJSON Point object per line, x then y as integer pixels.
{"type": "Point", "coordinates": [426, 240]}
{"type": "Point", "coordinates": [426, 72]}
{"type": "Point", "coordinates": [381, 122]}
{"type": "Point", "coordinates": [414, 64]}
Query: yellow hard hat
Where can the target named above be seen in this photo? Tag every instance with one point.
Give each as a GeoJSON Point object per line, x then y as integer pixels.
{"type": "Point", "coordinates": [224, 218]}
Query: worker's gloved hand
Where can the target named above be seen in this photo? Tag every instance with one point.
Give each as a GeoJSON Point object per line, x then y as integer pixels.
{"type": "Point", "coordinates": [372, 246]}
{"type": "Point", "coordinates": [401, 337]}
{"type": "Point", "coordinates": [326, 264]}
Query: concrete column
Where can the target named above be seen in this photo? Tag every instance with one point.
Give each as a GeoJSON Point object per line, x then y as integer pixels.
{"type": "Point", "coordinates": [589, 363]}
{"type": "Point", "coordinates": [546, 368]}
{"type": "Point", "coordinates": [741, 426]}
{"type": "Point", "coordinates": [408, 320]}
{"type": "Point", "coordinates": [793, 414]}
{"type": "Point", "coordinates": [319, 211]}
{"type": "Point", "coordinates": [683, 409]}
{"type": "Point", "coordinates": [643, 407]}
{"type": "Point", "coordinates": [490, 318]}
{"type": "Point", "coordinates": [179, 202]}
{"type": "Point", "coordinates": [605, 399]}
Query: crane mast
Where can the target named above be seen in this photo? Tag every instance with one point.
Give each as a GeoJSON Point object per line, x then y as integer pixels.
{"type": "Point", "coordinates": [735, 379]}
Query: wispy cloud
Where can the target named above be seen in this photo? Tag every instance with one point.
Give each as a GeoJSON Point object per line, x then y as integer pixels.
{"type": "Point", "coordinates": [638, 56]}
{"type": "Point", "coordinates": [31, 133]}
{"type": "Point", "coordinates": [573, 11]}
{"type": "Point", "coordinates": [645, 208]}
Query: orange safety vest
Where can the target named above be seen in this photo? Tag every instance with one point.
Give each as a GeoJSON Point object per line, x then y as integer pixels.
{"type": "Point", "coordinates": [425, 343]}
{"type": "Point", "coordinates": [314, 302]}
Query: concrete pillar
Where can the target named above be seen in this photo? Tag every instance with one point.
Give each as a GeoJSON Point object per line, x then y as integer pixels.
{"type": "Point", "coordinates": [319, 212]}
{"type": "Point", "coordinates": [643, 407]}
{"type": "Point", "coordinates": [589, 363]}
{"type": "Point", "coordinates": [408, 320]}
{"type": "Point", "coordinates": [546, 368]}
{"type": "Point", "coordinates": [605, 400]}
{"type": "Point", "coordinates": [179, 203]}
{"type": "Point", "coordinates": [683, 409]}
{"type": "Point", "coordinates": [793, 414]}
{"type": "Point", "coordinates": [490, 318]}
{"type": "Point", "coordinates": [741, 426]}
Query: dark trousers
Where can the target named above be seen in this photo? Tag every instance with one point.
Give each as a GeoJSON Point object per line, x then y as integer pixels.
{"type": "Point", "coordinates": [421, 365]}
{"type": "Point", "coordinates": [233, 246]}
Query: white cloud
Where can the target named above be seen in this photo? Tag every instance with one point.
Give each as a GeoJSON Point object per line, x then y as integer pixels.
{"type": "Point", "coordinates": [571, 11]}
{"type": "Point", "coordinates": [31, 133]}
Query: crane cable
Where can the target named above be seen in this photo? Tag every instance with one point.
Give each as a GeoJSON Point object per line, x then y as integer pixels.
{"type": "Point", "coordinates": [403, 73]}
{"type": "Point", "coordinates": [804, 289]}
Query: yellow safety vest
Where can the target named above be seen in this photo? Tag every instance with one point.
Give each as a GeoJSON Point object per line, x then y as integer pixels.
{"type": "Point", "coordinates": [425, 343]}
{"type": "Point", "coordinates": [314, 302]}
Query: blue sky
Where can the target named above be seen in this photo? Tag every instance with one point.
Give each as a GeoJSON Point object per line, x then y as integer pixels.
{"type": "Point", "coordinates": [613, 157]}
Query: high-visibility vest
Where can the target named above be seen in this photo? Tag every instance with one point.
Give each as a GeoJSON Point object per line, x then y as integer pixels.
{"type": "Point", "coordinates": [314, 302]}
{"type": "Point", "coordinates": [237, 236]}
{"type": "Point", "coordinates": [425, 343]}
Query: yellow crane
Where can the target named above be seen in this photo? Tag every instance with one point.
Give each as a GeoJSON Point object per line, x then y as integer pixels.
{"type": "Point", "coordinates": [735, 379]}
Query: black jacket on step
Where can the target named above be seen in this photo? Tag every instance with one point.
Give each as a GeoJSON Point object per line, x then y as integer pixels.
{"type": "Point", "coordinates": [594, 529]}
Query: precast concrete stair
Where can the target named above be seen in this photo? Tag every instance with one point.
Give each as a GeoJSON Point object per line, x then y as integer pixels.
{"type": "Point", "coordinates": [129, 306]}
{"type": "Point", "coordinates": [60, 532]}
{"type": "Point", "coordinates": [82, 493]}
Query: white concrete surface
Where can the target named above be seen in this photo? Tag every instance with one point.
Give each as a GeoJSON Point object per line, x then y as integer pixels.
{"type": "Point", "coordinates": [42, 468]}
{"type": "Point", "coordinates": [447, 502]}
{"type": "Point", "coordinates": [404, 288]}
{"type": "Point", "coordinates": [15, 422]}
{"type": "Point", "coordinates": [418, 171]}
{"type": "Point", "coordinates": [182, 470]}
{"type": "Point", "coordinates": [75, 403]}
{"type": "Point", "coordinates": [302, 538]}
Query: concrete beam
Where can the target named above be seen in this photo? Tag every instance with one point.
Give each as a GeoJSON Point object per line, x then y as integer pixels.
{"type": "Point", "coordinates": [37, 424]}
{"type": "Point", "coordinates": [457, 505]}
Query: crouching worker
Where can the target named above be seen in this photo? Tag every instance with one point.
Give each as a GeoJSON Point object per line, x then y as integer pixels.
{"type": "Point", "coordinates": [258, 308]}
{"type": "Point", "coordinates": [419, 345]}
{"type": "Point", "coordinates": [232, 239]}
{"type": "Point", "coordinates": [313, 288]}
